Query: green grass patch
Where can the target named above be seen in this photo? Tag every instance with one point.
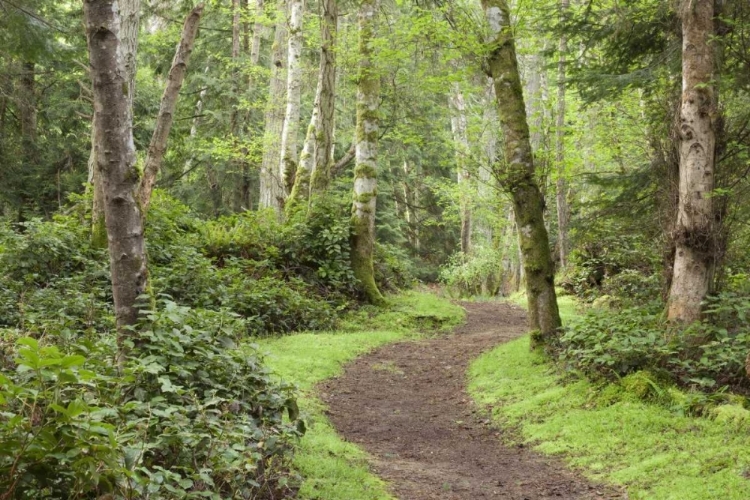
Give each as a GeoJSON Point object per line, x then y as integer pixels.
{"type": "Point", "coordinates": [567, 304]}
{"type": "Point", "coordinates": [655, 453]}
{"type": "Point", "coordinates": [333, 469]}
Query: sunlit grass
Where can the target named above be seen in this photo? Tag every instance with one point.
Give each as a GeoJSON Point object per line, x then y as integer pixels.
{"type": "Point", "coordinates": [333, 469]}
{"type": "Point", "coordinates": [656, 454]}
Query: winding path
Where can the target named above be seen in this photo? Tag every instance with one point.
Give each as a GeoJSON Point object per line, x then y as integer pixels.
{"type": "Point", "coordinates": [407, 406]}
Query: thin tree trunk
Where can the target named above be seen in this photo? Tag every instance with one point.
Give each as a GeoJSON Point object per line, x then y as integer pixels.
{"type": "Point", "coordinates": [313, 171]}
{"type": "Point", "coordinates": [461, 141]}
{"type": "Point", "coordinates": [271, 186]}
{"type": "Point", "coordinates": [158, 145]}
{"type": "Point", "coordinates": [257, 34]}
{"type": "Point", "coordinates": [116, 158]}
{"type": "Point", "coordinates": [563, 211]}
{"type": "Point", "coordinates": [365, 171]}
{"type": "Point", "coordinates": [518, 177]}
{"type": "Point", "coordinates": [695, 232]}
{"type": "Point", "coordinates": [288, 164]}
{"type": "Point", "coordinates": [130, 18]}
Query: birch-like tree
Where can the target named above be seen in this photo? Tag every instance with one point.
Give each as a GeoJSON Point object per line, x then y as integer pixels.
{"type": "Point", "coordinates": [563, 211]}
{"type": "Point", "coordinates": [271, 185]}
{"type": "Point", "coordinates": [366, 168]}
{"type": "Point", "coordinates": [461, 141]}
{"type": "Point", "coordinates": [288, 163]}
{"type": "Point", "coordinates": [694, 233]}
{"type": "Point", "coordinates": [518, 176]}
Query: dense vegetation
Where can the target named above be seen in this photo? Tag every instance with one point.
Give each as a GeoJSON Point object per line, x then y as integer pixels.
{"type": "Point", "coordinates": [487, 146]}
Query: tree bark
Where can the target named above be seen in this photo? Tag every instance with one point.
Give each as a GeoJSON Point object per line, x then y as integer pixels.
{"type": "Point", "coordinates": [111, 68]}
{"type": "Point", "coordinates": [365, 171]}
{"type": "Point", "coordinates": [695, 232]}
{"type": "Point", "coordinates": [271, 186]}
{"type": "Point", "coordinates": [313, 171]}
{"type": "Point", "coordinates": [129, 14]}
{"type": "Point", "coordinates": [563, 211]}
{"type": "Point", "coordinates": [518, 176]}
{"type": "Point", "coordinates": [288, 164]}
{"type": "Point", "coordinates": [461, 142]}
{"type": "Point", "coordinates": [158, 145]}
{"type": "Point", "coordinates": [257, 34]}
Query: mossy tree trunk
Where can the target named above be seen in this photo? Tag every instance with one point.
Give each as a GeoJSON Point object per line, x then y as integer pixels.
{"type": "Point", "coordinates": [695, 231]}
{"type": "Point", "coordinates": [313, 171]}
{"type": "Point", "coordinates": [518, 177]}
{"type": "Point", "coordinates": [365, 170]}
{"type": "Point", "coordinates": [115, 161]}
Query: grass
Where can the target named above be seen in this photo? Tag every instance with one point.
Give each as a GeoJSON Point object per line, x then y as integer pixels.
{"type": "Point", "coordinates": [333, 469]}
{"type": "Point", "coordinates": [610, 435]}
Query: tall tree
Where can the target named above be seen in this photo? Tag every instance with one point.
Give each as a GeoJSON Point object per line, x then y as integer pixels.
{"type": "Point", "coordinates": [563, 211]}
{"type": "Point", "coordinates": [115, 156]}
{"type": "Point", "coordinates": [518, 176]}
{"type": "Point", "coordinates": [695, 232]}
{"type": "Point", "coordinates": [461, 141]}
{"type": "Point", "coordinates": [288, 164]}
{"type": "Point", "coordinates": [314, 164]}
{"type": "Point", "coordinates": [129, 14]}
{"type": "Point", "coordinates": [366, 168]}
{"type": "Point", "coordinates": [158, 145]}
{"type": "Point", "coordinates": [271, 186]}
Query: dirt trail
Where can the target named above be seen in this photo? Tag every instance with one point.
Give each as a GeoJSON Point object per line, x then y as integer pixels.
{"type": "Point", "coordinates": [407, 406]}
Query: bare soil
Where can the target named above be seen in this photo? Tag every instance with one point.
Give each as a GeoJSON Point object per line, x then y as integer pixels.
{"type": "Point", "coordinates": [406, 404]}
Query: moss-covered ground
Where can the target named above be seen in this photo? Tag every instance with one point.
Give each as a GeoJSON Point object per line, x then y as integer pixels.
{"type": "Point", "coordinates": [610, 434]}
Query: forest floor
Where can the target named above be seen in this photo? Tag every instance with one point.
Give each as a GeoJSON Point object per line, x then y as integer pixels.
{"type": "Point", "coordinates": [407, 406]}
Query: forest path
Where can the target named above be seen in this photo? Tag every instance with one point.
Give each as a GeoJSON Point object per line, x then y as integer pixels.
{"type": "Point", "coordinates": [407, 406]}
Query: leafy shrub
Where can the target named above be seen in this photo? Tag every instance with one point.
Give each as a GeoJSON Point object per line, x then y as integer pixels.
{"type": "Point", "coordinates": [708, 355]}
{"type": "Point", "coordinates": [475, 274]}
{"type": "Point", "coordinates": [192, 415]}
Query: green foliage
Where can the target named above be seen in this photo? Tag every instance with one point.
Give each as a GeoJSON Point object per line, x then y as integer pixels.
{"type": "Point", "coordinates": [474, 274]}
{"type": "Point", "coordinates": [708, 356]}
{"type": "Point", "coordinates": [190, 415]}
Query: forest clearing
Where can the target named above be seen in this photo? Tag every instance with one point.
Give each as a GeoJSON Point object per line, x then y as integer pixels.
{"type": "Point", "coordinates": [374, 249]}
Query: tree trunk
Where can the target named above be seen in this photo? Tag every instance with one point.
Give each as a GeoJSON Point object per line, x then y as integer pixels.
{"type": "Point", "coordinates": [461, 141]}
{"type": "Point", "coordinates": [313, 171]}
{"type": "Point", "coordinates": [288, 164]}
{"type": "Point", "coordinates": [563, 211]}
{"type": "Point", "coordinates": [695, 232]}
{"type": "Point", "coordinates": [158, 145]}
{"type": "Point", "coordinates": [130, 18]}
{"type": "Point", "coordinates": [365, 171]}
{"type": "Point", "coordinates": [271, 187]}
{"type": "Point", "coordinates": [518, 176]}
{"type": "Point", "coordinates": [115, 157]}
{"type": "Point", "coordinates": [257, 34]}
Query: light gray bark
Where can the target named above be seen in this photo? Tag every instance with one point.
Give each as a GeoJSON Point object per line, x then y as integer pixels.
{"type": "Point", "coordinates": [695, 232]}
{"type": "Point", "coordinates": [271, 187]}
{"type": "Point", "coordinates": [461, 141]}
{"type": "Point", "coordinates": [563, 210]}
{"type": "Point", "coordinates": [288, 163]}
{"type": "Point", "coordinates": [112, 63]}
{"type": "Point", "coordinates": [158, 145]}
{"type": "Point", "coordinates": [129, 15]}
